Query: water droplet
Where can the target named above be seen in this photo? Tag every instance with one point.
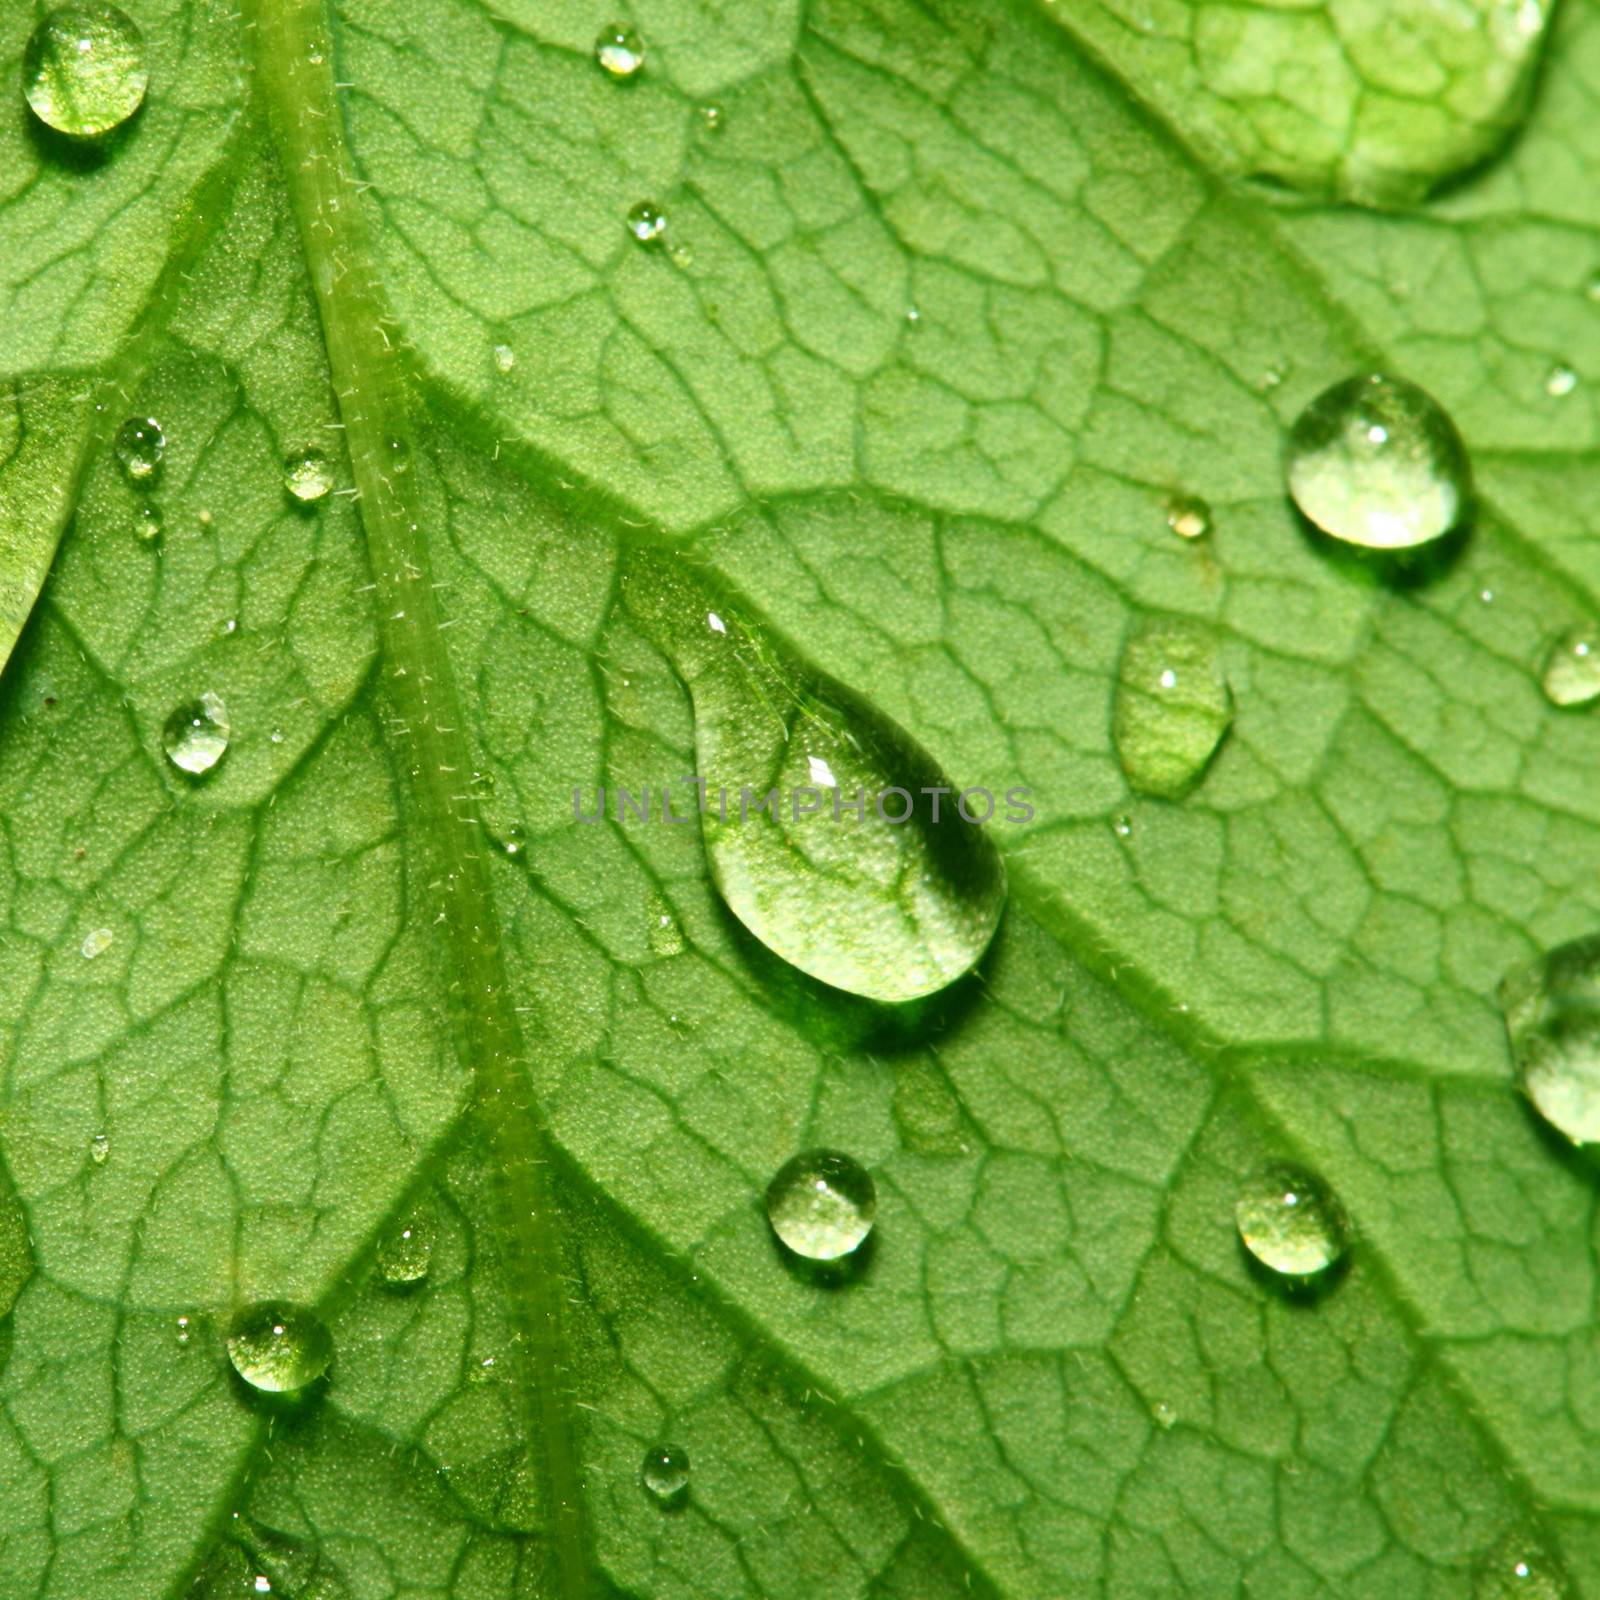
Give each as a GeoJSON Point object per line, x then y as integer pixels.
{"type": "Point", "coordinates": [1560, 381]}
{"type": "Point", "coordinates": [646, 222]}
{"type": "Point", "coordinates": [1122, 826]}
{"type": "Point", "coordinates": [1166, 1416]}
{"type": "Point", "coordinates": [83, 72]}
{"type": "Point", "coordinates": [1520, 1568]}
{"type": "Point", "coordinates": [516, 836]}
{"type": "Point", "coordinates": [505, 358]}
{"type": "Point", "coordinates": [147, 524]}
{"type": "Point", "coordinates": [100, 1149]}
{"type": "Point", "coordinates": [1172, 707]}
{"type": "Point", "coordinates": [666, 1472]}
{"type": "Point", "coordinates": [184, 1330]}
{"type": "Point", "coordinates": [1188, 516]}
{"type": "Point", "coordinates": [619, 50]}
{"type": "Point", "coordinates": [196, 735]}
{"type": "Point", "coordinates": [1376, 462]}
{"type": "Point", "coordinates": [140, 445]}
{"type": "Point", "coordinates": [307, 475]}
{"type": "Point", "coordinates": [1290, 1221]}
{"type": "Point", "coordinates": [279, 1348]}
{"type": "Point", "coordinates": [405, 1252]}
{"type": "Point", "coordinates": [397, 453]}
{"type": "Point", "coordinates": [96, 942]}
{"type": "Point", "coordinates": [1552, 1015]}
{"type": "Point", "coordinates": [1571, 672]}
{"type": "Point", "coordinates": [712, 117]}
{"type": "Point", "coordinates": [830, 833]}
{"type": "Point", "coordinates": [821, 1204]}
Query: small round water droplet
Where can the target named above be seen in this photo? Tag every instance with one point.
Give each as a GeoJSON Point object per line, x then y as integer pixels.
{"type": "Point", "coordinates": [147, 524]}
{"type": "Point", "coordinates": [1520, 1568]}
{"type": "Point", "coordinates": [140, 445]}
{"type": "Point", "coordinates": [1122, 826]}
{"type": "Point", "coordinates": [96, 942]}
{"type": "Point", "coordinates": [397, 455]}
{"type": "Point", "coordinates": [406, 1251]}
{"type": "Point", "coordinates": [307, 475]}
{"type": "Point", "coordinates": [1290, 1221]}
{"type": "Point", "coordinates": [1376, 462]}
{"type": "Point", "coordinates": [1552, 1015]}
{"type": "Point", "coordinates": [712, 117]}
{"type": "Point", "coordinates": [1188, 516]}
{"type": "Point", "coordinates": [1166, 1416]}
{"type": "Point", "coordinates": [1571, 672]}
{"type": "Point", "coordinates": [1172, 707]}
{"type": "Point", "coordinates": [619, 50]}
{"type": "Point", "coordinates": [666, 1472]}
{"type": "Point", "coordinates": [184, 1330]}
{"type": "Point", "coordinates": [279, 1348]}
{"type": "Point", "coordinates": [821, 1204]}
{"type": "Point", "coordinates": [647, 222]}
{"type": "Point", "coordinates": [196, 735]}
{"type": "Point", "coordinates": [505, 358]}
{"type": "Point", "coordinates": [1560, 381]}
{"type": "Point", "coordinates": [83, 71]}
{"type": "Point", "coordinates": [516, 837]}
{"type": "Point", "coordinates": [99, 1149]}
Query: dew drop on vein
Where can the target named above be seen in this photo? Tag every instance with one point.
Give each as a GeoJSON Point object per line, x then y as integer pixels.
{"type": "Point", "coordinates": [147, 524]}
{"type": "Point", "coordinates": [1171, 708]}
{"type": "Point", "coordinates": [665, 1473]}
{"type": "Point", "coordinates": [1291, 1221]}
{"type": "Point", "coordinates": [505, 358]}
{"type": "Point", "coordinates": [619, 50]}
{"type": "Point", "coordinates": [406, 1250]}
{"type": "Point", "coordinates": [83, 70]}
{"type": "Point", "coordinates": [1571, 672]}
{"type": "Point", "coordinates": [100, 1149]}
{"type": "Point", "coordinates": [1188, 516]}
{"type": "Point", "coordinates": [647, 223]}
{"type": "Point", "coordinates": [196, 735]}
{"type": "Point", "coordinates": [307, 476]}
{"type": "Point", "coordinates": [1376, 462]}
{"type": "Point", "coordinates": [139, 446]}
{"type": "Point", "coordinates": [821, 1204]}
{"type": "Point", "coordinates": [279, 1348]}
{"type": "Point", "coordinates": [1552, 1015]}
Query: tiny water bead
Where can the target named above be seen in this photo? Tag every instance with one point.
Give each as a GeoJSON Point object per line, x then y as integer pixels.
{"type": "Point", "coordinates": [1375, 461]}
{"type": "Point", "coordinates": [184, 1330]}
{"type": "Point", "coordinates": [1571, 671]}
{"type": "Point", "coordinates": [307, 476]}
{"type": "Point", "coordinates": [647, 222]}
{"type": "Point", "coordinates": [406, 1251]}
{"type": "Point", "coordinates": [139, 446]}
{"type": "Point", "coordinates": [96, 942]}
{"type": "Point", "coordinates": [147, 524]}
{"type": "Point", "coordinates": [100, 1149]}
{"type": "Point", "coordinates": [712, 117]}
{"type": "Point", "coordinates": [1290, 1221]}
{"type": "Point", "coordinates": [1552, 1016]}
{"type": "Point", "coordinates": [83, 71]}
{"type": "Point", "coordinates": [279, 1348]}
{"type": "Point", "coordinates": [619, 50]}
{"type": "Point", "coordinates": [1172, 707]}
{"type": "Point", "coordinates": [196, 735]}
{"type": "Point", "coordinates": [1519, 1567]}
{"type": "Point", "coordinates": [1188, 516]}
{"type": "Point", "coordinates": [505, 358]}
{"type": "Point", "coordinates": [821, 1204]}
{"type": "Point", "coordinates": [397, 456]}
{"type": "Point", "coordinates": [1560, 381]}
{"type": "Point", "coordinates": [665, 1473]}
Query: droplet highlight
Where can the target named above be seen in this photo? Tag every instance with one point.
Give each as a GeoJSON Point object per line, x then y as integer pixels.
{"type": "Point", "coordinates": [406, 1251]}
{"type": "Point", "coordinates": [647, 223]}
{"type": "Point", "coordinates": [147, 524]}
{"type": "Point", "coordinates": [1172, 707]}
{"type": "Point", "coordinates": [1560, 381]}
{"type": "Point", "coordinates": [1291, 1222]}
{"type": "Point", "coordinates": [619, 50]}
{"type": "Point", "coordinates": [139, 446]}
{"type": "Point", "coordinates": [307, 476]}
{"type": "Point", "coordinates": [1376, 462]}
{"type": "Point", "coordinates": [821, 1204]}
{"type": "Point", "coordinates": [279, 1348]}
{"type": "Point", "coordinates": [95, 943]}
{"type": "Point", "coordinates": [505, 358]}
{"type": "Point", "coordinates": [830, 833]}
{"type": "Point", "coordinates": [196, 735]}
{"type": "Point", "coordinates": [1519, 1567]}
{"type": "Point", "coordinates": [1570, 675]}
{"type": "Point", "coordinates": [1188, 516]}
{"type": "Point", "coordinates": [83, 70]}
{"type": "Point", "coordinates": [1552, 1016]}
{"type": "Point", "coordinates": [712, 117]}
{"type": "Point", "coordinates": [665, 1473]}
{"type": "Point", "coordinates": [100, 1149]}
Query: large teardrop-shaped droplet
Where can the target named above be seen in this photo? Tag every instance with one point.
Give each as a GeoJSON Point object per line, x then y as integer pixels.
{"type": "Point", "coordinates": [83, 71]}
{"type": "Point", "coordinates": [279, 1348]}
{"type": "Point", "coordinates": [1375, 461]}
{"type": "Point", "coordinates": [1172, 707]}
{"type": "Point", "coordinates": [1552, 1012]}
{"type": "Point", "coordinates": [831, 834]}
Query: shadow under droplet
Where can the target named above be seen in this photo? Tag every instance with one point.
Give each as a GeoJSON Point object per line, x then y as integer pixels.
{"type": "Point", "coordinates": [81, 155]}
{"type": "Point", "coordinates": [1403, 570]}
{"type": "Point", "coordinates": [853, 1268]}
{"type": "Point", "coordinates": [1294, 1291]}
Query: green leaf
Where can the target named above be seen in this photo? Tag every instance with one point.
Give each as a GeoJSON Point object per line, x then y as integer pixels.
{"type": "Point", "coordinates": [952, 307]}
